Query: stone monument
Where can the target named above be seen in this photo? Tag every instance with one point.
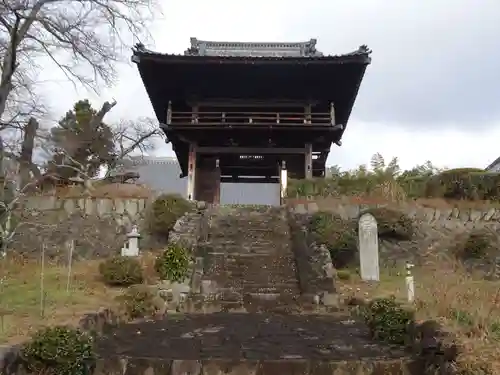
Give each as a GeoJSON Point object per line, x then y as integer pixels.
{"type": "Point", "coordinates": [368, 248]}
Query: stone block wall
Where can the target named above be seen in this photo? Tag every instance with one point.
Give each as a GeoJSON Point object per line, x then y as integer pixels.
{"type": "Point", "coordinates": [436, 229]}
{"type": "Point", "coordinates": [437, 218]}
{"type": "Point", "coordinates": [131, 207]}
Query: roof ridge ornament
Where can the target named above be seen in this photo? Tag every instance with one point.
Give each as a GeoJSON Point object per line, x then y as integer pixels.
{"type": "Point", "coordinates": [279, 49]}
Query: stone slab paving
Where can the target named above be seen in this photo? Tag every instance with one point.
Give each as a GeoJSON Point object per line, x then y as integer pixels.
{"type": "Point", "coordinates": [247, 336]}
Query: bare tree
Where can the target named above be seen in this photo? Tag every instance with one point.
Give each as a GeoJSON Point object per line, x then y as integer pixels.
{"type": "Point", "coordinates": [83, 38]}
{"type": "Point", "coordinates": [133, 136]}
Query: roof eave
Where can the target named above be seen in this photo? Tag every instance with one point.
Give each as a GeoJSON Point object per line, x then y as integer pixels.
{"type": "Point", "coordinates": [360, 56]}
{"type": "Point", "coordinates": [137, 58]}
{"type": "Point", "coordinates": [353, 99]}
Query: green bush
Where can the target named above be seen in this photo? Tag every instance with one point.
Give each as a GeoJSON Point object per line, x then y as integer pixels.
{"type": "Point", "coordinates": [464, 183]}
{"type": "Point", "coordinates": [338, 235]}
{"type": "Point", "coordinates": [140, 301]}
{"type": "Point", "coordinates": [173, 263]}
{"type": "Point", "coordinates": [59, 351]}
{"type": "Point", "coordinates": [344, 274]}
{"type": "Point", "coordinates": [388, 320]}
{"type": "Point", "coordinates": [121, 271]}
{"type": "Point", "coordinates": [392, 224]}
{"type": "Point", "coordinates": [477, 245]}
{"type": "Point", "coordinates": [164, 213]}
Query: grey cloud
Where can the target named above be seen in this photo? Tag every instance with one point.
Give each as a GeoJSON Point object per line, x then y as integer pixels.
{"type": "Point", "coordinates": [433, 62]}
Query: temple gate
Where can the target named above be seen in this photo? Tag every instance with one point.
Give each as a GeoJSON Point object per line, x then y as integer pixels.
{"type": "Point", "coordinates": [251, 112]}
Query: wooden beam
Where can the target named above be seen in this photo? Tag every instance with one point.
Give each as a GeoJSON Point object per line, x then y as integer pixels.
{"type": "Point", "coordinates": [250, 180]}
{"type": "Point", "coordinates": [243, 103]}
{"type": "Point", "coordinates": [250, 150]}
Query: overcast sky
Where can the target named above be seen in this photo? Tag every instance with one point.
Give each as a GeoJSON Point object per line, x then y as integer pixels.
{"type": "Point", "coordinates": [432, 91]}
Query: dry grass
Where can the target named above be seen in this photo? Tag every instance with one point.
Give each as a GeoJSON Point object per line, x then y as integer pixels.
{"type": "Point", "coordinates": [21, 311]}
{"type": "Point", "coordinates": [467, 305]}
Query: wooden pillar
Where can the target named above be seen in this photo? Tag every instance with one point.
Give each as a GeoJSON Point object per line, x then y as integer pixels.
{"type": "Point", "coordinates": [308, 153]}
{"type": "Point", "coordinates": [194, 115]}
{"type": "Point", "coordinates": [283, 181]}
{"type": "Point", "coordinates": [191, 172]}
{"type": "Point", "coordinates": [216, 197]}
{"type": "Point", "coordinates": [308, 161]}
{"type": "Point", "coordinates": [307, 113]}
{"type": "Point", "coordinates": [169, 113]}
{"type": "Point", "coordinates": [207, 187]}
{"type": "Point", "coordinates": [332, 113]}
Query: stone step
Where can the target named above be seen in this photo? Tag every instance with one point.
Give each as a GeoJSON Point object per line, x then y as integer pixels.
{"type": "Point", "coordinates": [228, 244]}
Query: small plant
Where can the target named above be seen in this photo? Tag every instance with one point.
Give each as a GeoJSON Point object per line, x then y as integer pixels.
{"type": "Point", "coordinates": [121, 271]}
{"type": "Point", "coordinates": [344, 274]}
{"type": "Point", "coordinates": [388, 320]}
{"type": "Point", "coordinates": [338, 235]}
{"type": "Point", "coordinates": [477, 245]}
{"type": "Point", "coordinates": [140, 301]}
{"type": "Point", "coordinates": [164, 213]}
{"type": "Point", "coordinates": [173, 263]}
{"type": "Point", "coordinates": [494, 330]}
{"type": "Point", "coordinates": [392, 224]}
{"type": "Point", "coordinates": [59, 350]}
{"type": "Point", "coordinates": [462, 317]}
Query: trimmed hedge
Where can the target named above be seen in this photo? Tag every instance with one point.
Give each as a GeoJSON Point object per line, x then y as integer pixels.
{"type": "Point", "coordinates": [464, 183]}
{"type": "Point", "coordinates": [164, 213]}
{"type": "Point", "coordinates": [459, 184]}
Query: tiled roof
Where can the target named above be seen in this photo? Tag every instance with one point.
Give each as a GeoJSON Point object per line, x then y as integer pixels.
{"type": "Point", "coordinates": [267, 52]}
{"type": "Point", "coordinates": [494, 164]}
{"type": "Point", "coordinates": [253, 49]}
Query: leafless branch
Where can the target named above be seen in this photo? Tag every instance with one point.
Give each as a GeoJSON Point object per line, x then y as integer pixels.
{"type": "Point", "coordinates": [134, 136]}
{"type": "Point", "coordinates": [85, 39]}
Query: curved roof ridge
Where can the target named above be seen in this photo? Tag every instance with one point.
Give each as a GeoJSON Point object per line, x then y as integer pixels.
{"type": "Point", "coordinates": [211, 48]}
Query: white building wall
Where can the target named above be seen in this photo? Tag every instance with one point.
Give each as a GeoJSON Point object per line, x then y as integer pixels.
{"type": "Point", "coordinates": [162, 175]}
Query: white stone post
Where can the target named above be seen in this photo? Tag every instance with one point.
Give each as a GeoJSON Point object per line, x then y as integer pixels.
{"type": "Point", "coordinates": [368, 248]}
{"type": "Point", "coordinates": [410, 282]}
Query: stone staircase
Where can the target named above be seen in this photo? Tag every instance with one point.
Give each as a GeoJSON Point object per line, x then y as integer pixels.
{"type": "Point", "coordinates": [248, 259]}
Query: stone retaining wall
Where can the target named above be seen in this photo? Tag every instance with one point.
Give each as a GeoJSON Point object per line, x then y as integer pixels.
{"type": "Point", "coordinates": [436, 229]}
{"type": "Point", "coordinates": [131, 207]}
{"type": "Point", "coordinates": [149, 366]}
{"type": "Point", "coordinates": [437, 217]}
{"type": "Point", "coordinates": [314, 264]}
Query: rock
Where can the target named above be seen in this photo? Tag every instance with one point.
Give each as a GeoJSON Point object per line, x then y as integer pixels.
{"type": "Point", "coordinates": [330, 299]}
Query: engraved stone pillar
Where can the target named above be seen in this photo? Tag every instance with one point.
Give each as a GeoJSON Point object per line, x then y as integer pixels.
{"type": "Point", "coordinates": [368, 248]}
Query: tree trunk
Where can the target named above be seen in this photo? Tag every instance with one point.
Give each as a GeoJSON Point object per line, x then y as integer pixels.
{"type": "Point", "coordinates": [25, 159]}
